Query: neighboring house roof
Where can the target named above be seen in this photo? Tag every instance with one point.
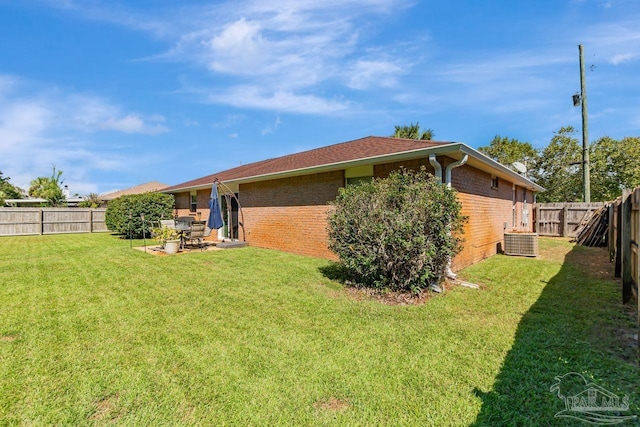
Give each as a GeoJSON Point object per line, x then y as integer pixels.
{"type": "Point", "coordinates": [36, 201]}
{"type": "Point", "coordinates": [368, 150]}
{"type": "Point", "coordinates": [138, 189]}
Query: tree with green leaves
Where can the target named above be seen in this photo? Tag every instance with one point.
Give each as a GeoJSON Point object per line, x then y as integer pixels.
{"type": "Point", "coordinates": [413, 132]}
{"type": "Point", "coordinates": [614, 165]}
{"type": "Point", "coordinates": [395, 233]}
{"type": "Point", "coordinates": [124, 214]}
{"type": "Point", "coordinates": [509, 150]}
{"type": "Point", "coordinates": [91, 200]}
{"type": "Point", "coordinates": [49, 188]}
{"type": "Point", "coordinates": [559, 168]}
{"type": "Point", "coordinates": [8, 190]}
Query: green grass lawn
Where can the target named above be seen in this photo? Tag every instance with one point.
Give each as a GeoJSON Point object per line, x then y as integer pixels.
{"type": "Point", "coordinates": [92, 332]}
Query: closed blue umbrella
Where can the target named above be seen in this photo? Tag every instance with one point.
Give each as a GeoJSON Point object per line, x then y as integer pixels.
{"type": "Point", "coordinates": [215, 215]}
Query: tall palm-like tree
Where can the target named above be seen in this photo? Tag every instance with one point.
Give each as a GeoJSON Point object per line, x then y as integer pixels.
{"type": "Point", "coordinates": [48, 188]}
{"type": "Point", "coordinates": [413, 132]}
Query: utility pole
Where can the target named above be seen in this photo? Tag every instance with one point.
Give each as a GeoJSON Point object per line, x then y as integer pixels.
{"type": "Point", "coordinates": [586, 179]}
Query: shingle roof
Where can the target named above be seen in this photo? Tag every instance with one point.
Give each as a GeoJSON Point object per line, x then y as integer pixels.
{"type": "Point", "coordinates": [138, 189]}
{"type": "Point", "coordinates": [363, 148]}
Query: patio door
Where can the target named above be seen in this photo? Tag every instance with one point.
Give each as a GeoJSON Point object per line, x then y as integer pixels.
{"type": "Point", "coordinates": [230, 207]}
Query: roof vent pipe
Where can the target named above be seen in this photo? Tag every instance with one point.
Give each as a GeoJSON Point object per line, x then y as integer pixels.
{"type": "Point", "coordinates": [436, 166]}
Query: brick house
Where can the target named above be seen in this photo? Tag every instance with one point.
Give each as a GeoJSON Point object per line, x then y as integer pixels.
{"type": "Point", "coordinates": [284, 200]}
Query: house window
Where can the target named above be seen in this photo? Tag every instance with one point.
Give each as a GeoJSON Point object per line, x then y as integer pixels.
{"type": "Point", "coordinates": [494, 182]}
{"type": "Point", "coordinates": [358, 180]}
{"type": "Point", "coordinates": [194, 202]}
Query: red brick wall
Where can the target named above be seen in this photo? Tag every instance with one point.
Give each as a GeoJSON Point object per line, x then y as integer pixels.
{"type": "Point", "coordinates": [382, 171]}
{"type": "Point", "coordinates": [183, 207]}
{"type": "Point", "coordinates": [290, 214]}
{"type": "Point", "coordinates": [183, 204]}
{"type": "Point", "coordinates": [488, 210]}
{"type": "Point", "coordinates": [182, 201]}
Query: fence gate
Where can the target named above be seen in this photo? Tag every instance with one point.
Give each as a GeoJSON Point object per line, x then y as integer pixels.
{"type": "Point", "coordinates": [562, 219]}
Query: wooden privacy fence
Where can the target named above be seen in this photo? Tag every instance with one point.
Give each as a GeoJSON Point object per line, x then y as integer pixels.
{"type": "Point", "coordinates": [562, 219]}
{"type": "Point", "coordinates": [624, 238]}
{"type": "Point", "coordinates": [25, 221]}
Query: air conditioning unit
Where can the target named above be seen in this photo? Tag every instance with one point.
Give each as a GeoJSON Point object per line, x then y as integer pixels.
{"type": "Point", "coordinates": [521, 244]}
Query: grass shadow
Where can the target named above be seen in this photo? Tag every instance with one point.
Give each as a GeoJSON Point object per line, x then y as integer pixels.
{"type": "Point", "coordinates": [578, 324]}
{"type": "Point", "coordinates": [335, 271]}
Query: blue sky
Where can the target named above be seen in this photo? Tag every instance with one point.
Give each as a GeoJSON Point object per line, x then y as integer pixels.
{"type": "Point", "coordinates": [118, 93]}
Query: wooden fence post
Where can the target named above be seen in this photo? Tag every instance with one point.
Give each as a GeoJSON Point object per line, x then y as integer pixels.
{"type": "Point", "coordinates": [565, 221]}
{"type": "Point", "coordinates": [625, 246]}
{"type": "Point", "coordinates": [610, 235]}
{"type": "Point", "coordinates": [618, 265]}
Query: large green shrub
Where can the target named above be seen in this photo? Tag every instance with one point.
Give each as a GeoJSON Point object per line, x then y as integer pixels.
{"type": "Point", "coordinates": [123, 215]}
{"type": "Point", "coordinates": [395, 233]}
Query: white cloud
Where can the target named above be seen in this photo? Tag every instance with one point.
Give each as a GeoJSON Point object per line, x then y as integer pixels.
{"type": "Point", "coordinates": [39, 128]}
{"type": "Point", "coordinates": [23, 123]}
{"type": "Point", "coordinates": [497, 66]}
{"type": "Point", "coordinates": [237, 48]}
{"type": "Point", "coordinates": [272, 128]}
{"type": "Point", "coordinates": [229, 120]}
{"type": "Point", "coordinates": [132, 123]}
{"type": "Point", "coordinates": [93, 114]}
{"type": "Point", "coordinates": [284, 101]}
{"type": "Point", "coordinates": [113, 13]}
{"type": "Point", "coordinates": [609, 39]}
{"type": "Point", "coordinates": [499, 83]}
{"type": "Point", "coordinates": [622, 57]}
{"type": "Point", "coordinates": [6, 84]}
{"type": "Point", "coordinates": [373, 73]}
{"type": "Point", "coordinates": [293, 51]}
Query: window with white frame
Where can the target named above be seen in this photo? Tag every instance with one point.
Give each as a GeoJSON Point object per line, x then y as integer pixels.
{"type": "Point", "coordinates": [193, 205]}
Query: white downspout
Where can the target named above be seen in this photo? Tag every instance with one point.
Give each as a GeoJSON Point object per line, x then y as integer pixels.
{"type": "Point", "coordinates": [436, 166]}
{"type": "Point", "coordinates": [447, 180]}
{"type": "Point", "coordinates": [447, 170]}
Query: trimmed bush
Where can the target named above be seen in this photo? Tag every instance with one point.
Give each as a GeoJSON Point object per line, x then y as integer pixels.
{"type": "Point", "coordinates": [396, 233]}
{"type": "Point", "coordinates": [123, 214]}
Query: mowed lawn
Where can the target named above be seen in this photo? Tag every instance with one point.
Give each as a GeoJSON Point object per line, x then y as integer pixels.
{"type": "Point", "coordinates": [93, 332]}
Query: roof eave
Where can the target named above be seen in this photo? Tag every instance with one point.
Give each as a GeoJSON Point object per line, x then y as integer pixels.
{"type": "Point", "coordinates": [484, 163]}
{"type": "Point", "coordinates": [500, 170]}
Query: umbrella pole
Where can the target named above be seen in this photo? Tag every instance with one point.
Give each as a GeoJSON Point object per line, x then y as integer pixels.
{"type": "Point", "coordinates": [228, 195]}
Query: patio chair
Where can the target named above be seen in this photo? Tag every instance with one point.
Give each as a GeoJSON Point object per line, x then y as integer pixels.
{"type": "Point", "coordinates": [169, 223]}
{"type": "Point", "coordinates": [184, 222]}
{"type": "Point", "coordinates": [197, 234]}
